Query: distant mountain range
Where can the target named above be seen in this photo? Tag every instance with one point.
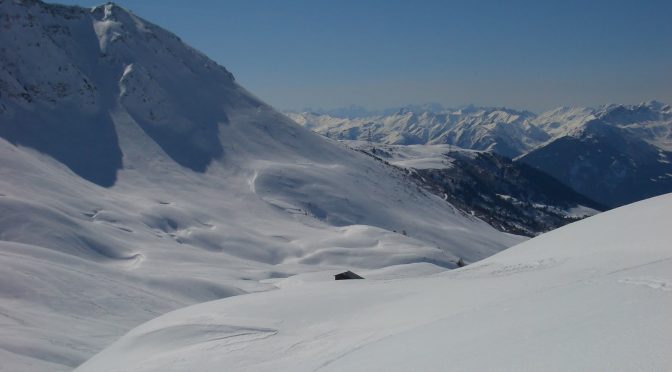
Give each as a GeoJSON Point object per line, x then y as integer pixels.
{"type": "Point", "coordinates": [506, 131]}
{"type": "Point", "coordinates": [614, 154]}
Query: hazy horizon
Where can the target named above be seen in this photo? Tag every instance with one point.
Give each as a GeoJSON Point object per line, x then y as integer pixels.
{"type": "Point", "coordinates": [382, 110]}
{"type": "Point", "coordinates": [380, 54]}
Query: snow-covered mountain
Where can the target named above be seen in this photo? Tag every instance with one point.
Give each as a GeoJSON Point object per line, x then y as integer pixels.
{"type": "Point", "coordinates": [502, 130]}
{"type": "Point", "coordinates": [137, 177]}
{"type": "Point", "coordinates": [591, 296]}
{"type": "Point", "coordinates": [615, 154]}
{"type": "Point", "coordinates": [510, 196]}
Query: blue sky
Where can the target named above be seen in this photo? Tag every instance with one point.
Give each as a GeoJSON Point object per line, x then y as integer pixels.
{"type": "Point", "coordinates": [523, 54]}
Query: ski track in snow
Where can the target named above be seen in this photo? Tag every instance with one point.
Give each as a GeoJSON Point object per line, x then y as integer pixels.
{"type": "Point", "coordinates": [654, 283]}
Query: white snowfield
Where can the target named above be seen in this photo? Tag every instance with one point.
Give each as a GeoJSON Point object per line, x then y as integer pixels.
{"type": "Point", "coordinates": [414, 156]}
{"type": "Point", "coordinates": [137, 177]}
{"type": "Point", "coordinates": [595, 295]}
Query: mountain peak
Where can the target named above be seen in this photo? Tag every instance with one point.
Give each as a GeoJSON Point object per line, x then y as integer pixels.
{"type": "Point", "coordinates": [653, 104]}
{"type": "Point", "coordinates": [108, 7]}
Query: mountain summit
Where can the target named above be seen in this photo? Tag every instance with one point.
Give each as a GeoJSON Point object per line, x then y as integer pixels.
{"type": "Point", "coordinates": [104, 62]}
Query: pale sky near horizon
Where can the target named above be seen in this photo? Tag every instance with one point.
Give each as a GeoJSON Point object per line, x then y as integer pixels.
{"type": "Point", "coordinates": [534, 55]}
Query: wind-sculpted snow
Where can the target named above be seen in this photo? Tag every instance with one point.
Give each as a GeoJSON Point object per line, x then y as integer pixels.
{"type": "Point", "coordinates": [591, 296]}
{"type": "Point", "coordinates": [208, 192]}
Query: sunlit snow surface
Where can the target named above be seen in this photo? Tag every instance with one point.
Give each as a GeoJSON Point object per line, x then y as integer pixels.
{"type": "Point", "coordinates": [203, 191]}
{"type": "Point", "coordinates": [592, 296]}
{"type": "Point", "coordinates": [414, 156]}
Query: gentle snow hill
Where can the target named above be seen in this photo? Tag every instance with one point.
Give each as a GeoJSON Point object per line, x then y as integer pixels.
{"type": "Point", "coordinates": [137, 177]}
{"type": "Point", "coordinates": [592, 296]}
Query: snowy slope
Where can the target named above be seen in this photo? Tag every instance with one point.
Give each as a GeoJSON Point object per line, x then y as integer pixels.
{"type": "Point", "coordinates": [414, 156]}
{"type": "Point", "coordinates": [137, 177]}
{"type": "Point", "coordinates": [591, 296]}
{"type": "Point", "coordinates": [511, 196]}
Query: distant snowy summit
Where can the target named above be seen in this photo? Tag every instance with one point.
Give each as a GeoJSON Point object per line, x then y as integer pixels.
{"type": "Point", "coordinates": [617, 154]}
{"type": "Point", "coordinates": [503, 130]}
{"type": "Point", "coordinates": [506, 131]}
{"type": "Point", "coordinates": [614, 154]}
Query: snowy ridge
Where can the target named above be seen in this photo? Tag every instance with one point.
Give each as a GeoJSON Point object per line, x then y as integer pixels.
{"type": "Point", "coordinates": [505, 131]}
{"type": "Point", "coordinates": [499, 129]}
{"type": "Point", "coordinates": [590, 296]}
{"type": "Point", "coordinates": [138, 177]}
{"type": "Point", "coordinates": [650, 121]}
{"type": "Point", "coordinates": [614, 154]}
